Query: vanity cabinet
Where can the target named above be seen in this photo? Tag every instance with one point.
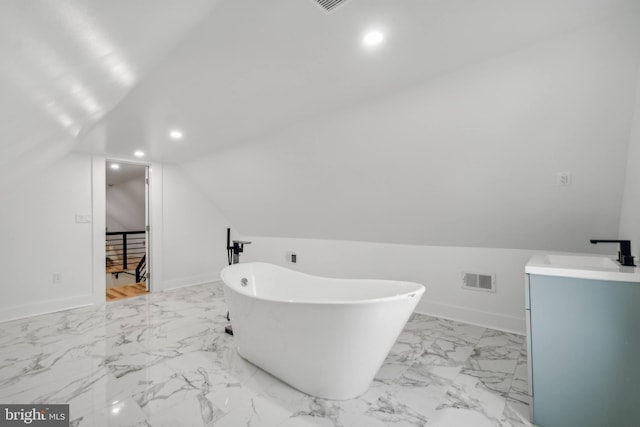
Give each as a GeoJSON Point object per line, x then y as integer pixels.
{"type": "Point", "coordinates": [583, 343]}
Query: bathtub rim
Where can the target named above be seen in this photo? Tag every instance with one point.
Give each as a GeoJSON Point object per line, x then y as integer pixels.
{"type": "Point", "coordinates": [418, 292]}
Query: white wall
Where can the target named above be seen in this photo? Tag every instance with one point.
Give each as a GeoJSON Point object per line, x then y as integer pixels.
{"type": "Point", "coordinates": [438, 268]}
{"type": "Point", "coordinates": [188, 233]}
{"type": "Point", "coordinates": [454, 174]}
{"type": "Point", "coordinates": [126, 205]}
{"type": "Point", "coordinates": [194, 232]}
{"type": "Point", "coordinates": [630, 215]}
{"type": "Point", "coordinates": [468, 159]}
{"type": "Point", "coordinates": [40, 237]}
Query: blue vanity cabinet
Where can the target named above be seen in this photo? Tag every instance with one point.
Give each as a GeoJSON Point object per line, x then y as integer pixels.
{"type": "Point", "coordinates": [583, 343]}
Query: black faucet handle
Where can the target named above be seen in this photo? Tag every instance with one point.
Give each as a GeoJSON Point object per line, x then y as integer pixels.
{"type": "Point", "coordinates": [627, 260]}
{"type": "Point", "coordinates": [625, 247]}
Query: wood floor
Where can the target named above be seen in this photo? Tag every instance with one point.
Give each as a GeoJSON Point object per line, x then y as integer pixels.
{"type": "Point", "coordinates": [116, 267]}
{"type": "Point", "coordinates": [126, 291]}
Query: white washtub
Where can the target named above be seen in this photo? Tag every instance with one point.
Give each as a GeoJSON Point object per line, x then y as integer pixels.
{"type": "Point", "coordinates": [325, 337]}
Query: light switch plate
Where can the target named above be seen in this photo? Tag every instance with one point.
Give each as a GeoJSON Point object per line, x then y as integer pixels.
{"type": "Point", "coordinates": [83, 218]}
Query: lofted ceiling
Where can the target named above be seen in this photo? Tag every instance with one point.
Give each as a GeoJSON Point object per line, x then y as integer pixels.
{"type": "Point", "coordinates": [228, 71]}
{"type": "Point", "coordinates": [252, 67]}
{"type": "Point", "coordinates": [67, 63]}
{"type": "Point", "coordinates": [123, 172]}
{"type": "Point", "coordinates": [283, 86]}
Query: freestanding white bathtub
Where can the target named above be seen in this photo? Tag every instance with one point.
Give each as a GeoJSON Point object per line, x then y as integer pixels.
{"type": "Point", "coordinates": [325, 337]}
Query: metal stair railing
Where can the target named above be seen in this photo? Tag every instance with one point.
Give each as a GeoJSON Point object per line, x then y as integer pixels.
{"type": "Point", "coordinates": [124, 249]}
{"type": "Point", "coordinates": [141, 270]}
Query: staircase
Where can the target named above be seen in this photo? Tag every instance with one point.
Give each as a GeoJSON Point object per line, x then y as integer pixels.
{"type": "Point", "coordinates": [126, 254]}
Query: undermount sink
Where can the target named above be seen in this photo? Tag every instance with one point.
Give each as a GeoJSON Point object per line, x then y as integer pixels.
{"type": "Point", "coordinates": [581, 261]}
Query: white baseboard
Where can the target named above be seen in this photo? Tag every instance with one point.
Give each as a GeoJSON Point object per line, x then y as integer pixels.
{"type": "Point", "coordinates": [501, 322]}
{"type": "Point", "coordinates": [186, 281]}
{"type": "Point", "coordinates": [44, 307]}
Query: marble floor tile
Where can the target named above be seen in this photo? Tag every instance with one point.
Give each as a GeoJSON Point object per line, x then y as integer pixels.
{"type": "Point", "coordinates": [163, 359]}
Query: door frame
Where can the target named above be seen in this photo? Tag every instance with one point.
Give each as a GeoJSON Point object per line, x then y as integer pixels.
{"type": "Point", "coordinates": [154, 221]}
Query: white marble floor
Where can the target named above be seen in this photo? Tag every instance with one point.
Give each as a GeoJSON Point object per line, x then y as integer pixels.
{"type": "Point", "coordinates": [163, 360]}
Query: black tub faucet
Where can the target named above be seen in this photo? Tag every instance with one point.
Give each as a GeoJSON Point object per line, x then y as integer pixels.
{"type": "Point", "coordinates": [624, 254]}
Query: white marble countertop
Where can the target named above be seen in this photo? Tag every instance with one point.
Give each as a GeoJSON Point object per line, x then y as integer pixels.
{"type": "Point", "coordinates": [596, 267]}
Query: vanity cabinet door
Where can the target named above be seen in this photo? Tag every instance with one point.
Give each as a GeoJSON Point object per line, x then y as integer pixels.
{"type": "Point", "coordinates": [585, 352]}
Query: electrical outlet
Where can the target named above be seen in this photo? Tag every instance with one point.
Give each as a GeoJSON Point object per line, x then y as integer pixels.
{"type": "Point", "coordinates": [563, 178]}
{"type": "Point", "coordinates": [57, 278]}
{"type": "Point", "coordinates": [292, 257]}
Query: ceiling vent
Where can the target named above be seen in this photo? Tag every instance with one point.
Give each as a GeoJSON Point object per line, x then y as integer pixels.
{"type": "Point", "coordinates": [330, 5]}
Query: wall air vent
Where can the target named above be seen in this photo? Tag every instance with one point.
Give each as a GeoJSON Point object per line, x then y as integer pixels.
{"type": "Point", "coordinates": [329, 5]}
{"type": "Point", "coordinates": [479, 281]}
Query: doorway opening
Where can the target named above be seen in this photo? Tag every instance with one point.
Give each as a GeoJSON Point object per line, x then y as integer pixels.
{"type": "Point", "coordinates": [127, 230]}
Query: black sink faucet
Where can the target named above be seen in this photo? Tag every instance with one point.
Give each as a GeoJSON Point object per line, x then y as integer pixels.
{"type": "Point", "coordinates": [624, 255]}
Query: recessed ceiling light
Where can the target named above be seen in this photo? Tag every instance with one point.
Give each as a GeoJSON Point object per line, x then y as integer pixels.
{"type": "Point", "coordinates": [176, 134]}
{"type": "Point", "coordinates": [138, 153]}
{"type": "Point", "coordinates": [115, 166]}
{"type": "Point", "coordinates": [373, 38]}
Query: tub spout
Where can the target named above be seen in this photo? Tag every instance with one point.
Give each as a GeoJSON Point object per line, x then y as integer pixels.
{"type": "Point", "coordinates": [234, 250]}
{"type": "Point", "coordinates": [238, 248]}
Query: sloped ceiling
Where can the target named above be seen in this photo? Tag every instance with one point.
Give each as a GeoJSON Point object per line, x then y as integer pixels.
{"type": "Point", "coordinates": [466, 159]}
{"type": "Point", "coordinates": [444, 134]}
{"type": "Point", "coordinates": [67, 63]}
{"type": "Point", "coordinates": [257, 66]}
